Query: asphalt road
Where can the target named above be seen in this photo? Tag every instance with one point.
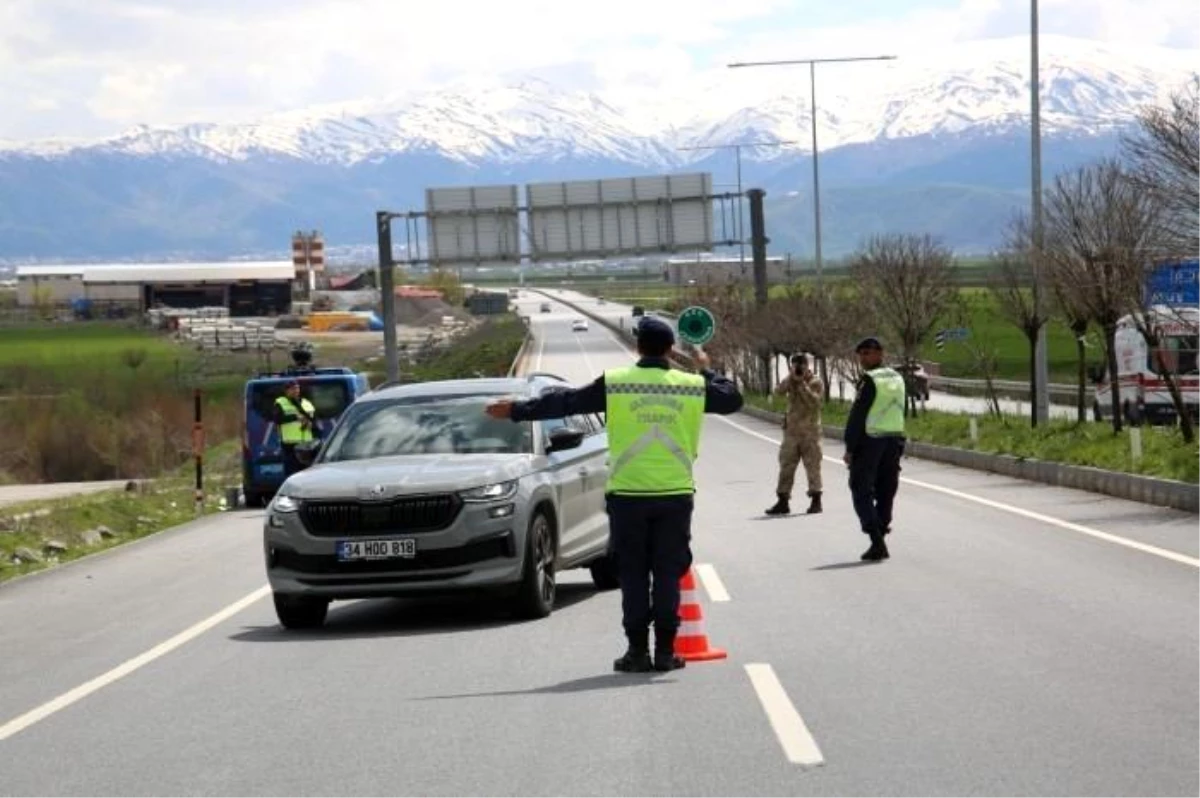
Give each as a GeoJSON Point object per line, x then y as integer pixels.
{"type": "Point", "coordinates": [1022, 640]}
{"type": "Point", "coordinates": [618, 313]}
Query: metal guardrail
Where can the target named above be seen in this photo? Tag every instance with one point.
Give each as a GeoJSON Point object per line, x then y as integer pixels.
{"type": "Point", "coordinates": [1008, 386]}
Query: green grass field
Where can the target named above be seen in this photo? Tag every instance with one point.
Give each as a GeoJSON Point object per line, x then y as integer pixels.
{"type": "Point", "coordinates": [77, 342]}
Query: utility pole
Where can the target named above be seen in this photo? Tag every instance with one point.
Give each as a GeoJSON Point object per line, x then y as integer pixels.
{"type": "Point", "coordinates": [1040, 406]}
{"type": "Point", "coordinates": [387, 294]}
{"type": "Point", "coordinates": [812, 74]}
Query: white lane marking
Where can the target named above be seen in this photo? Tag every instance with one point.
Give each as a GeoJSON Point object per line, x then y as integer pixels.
{"type": "Point", "coordinates": [541, 345]}
{"type": "Point", "coordinates": [125, 668]}
{"type": "Point", "coordinates": [798, 744]}
{"type": "Point", "coordinates": [1008, 508]}
{"type": "Point", "coordinates": [712, 583]}
{"type": "Point", "coordinates": [586, 360]}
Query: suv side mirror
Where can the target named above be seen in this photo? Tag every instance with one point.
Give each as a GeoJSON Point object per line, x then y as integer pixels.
{"type": "Point", "coordinates": [564, 438]}
{"type": "Point", "coordinates": [307, 452]}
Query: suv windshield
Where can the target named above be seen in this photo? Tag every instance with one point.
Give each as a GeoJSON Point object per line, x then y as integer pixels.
{"type": "Point", "coordinates": [426, 425]}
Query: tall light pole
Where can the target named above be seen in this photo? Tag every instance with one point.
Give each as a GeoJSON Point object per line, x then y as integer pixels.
{"type": "Point", "coordinates": [737, 148]}
{"type": "Point", "coordinates": [812, 79]}
{"type": "Point", "coordinates": [1041, 400]}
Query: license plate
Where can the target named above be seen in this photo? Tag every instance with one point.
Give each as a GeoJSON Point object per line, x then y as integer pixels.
{"type": "Point", "coordinates": [348, 550]}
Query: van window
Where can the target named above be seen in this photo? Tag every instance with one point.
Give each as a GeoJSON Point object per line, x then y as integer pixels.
{"type": "Point", "coordinates": [329, 397]}
{"type": "Point", "coordinates": [1178, 355]}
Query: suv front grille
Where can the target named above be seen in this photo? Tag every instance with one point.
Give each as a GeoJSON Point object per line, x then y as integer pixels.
{"type": "Point", "coordinates": [405, 515]}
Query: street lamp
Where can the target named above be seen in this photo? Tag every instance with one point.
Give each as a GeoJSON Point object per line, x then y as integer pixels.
{"type": "Point", "coordinates": [737, 147]}
{"type": "Point", "coordinates": [1041, 369]}
{"type": "Point", "coordinates": [812, 78]}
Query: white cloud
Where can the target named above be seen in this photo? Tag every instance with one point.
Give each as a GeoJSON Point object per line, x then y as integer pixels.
{"type": "Point", "coordinates": [84, 67]}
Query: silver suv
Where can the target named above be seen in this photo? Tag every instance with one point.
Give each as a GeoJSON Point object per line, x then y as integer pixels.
{"type": "Point", "coordinates": [418, 491]}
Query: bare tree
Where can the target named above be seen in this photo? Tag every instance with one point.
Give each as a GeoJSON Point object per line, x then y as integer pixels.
{"type": "Point", "coordinates": [1164, 156]}
{"type": "Point", "coordinates": [1075, 314]}
{"type": "Point", "coordinates": [1012, 286]}
{"type": "Point", "coordinates": [1100, 232]}
{"type": "Point", "coordinates": [908, 283]}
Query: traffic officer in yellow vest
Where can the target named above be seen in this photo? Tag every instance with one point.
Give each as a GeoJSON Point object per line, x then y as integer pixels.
{"type": "Point", "coordinates": [654, 416]}
{"type": "Point", "coordinates": [874, 439]}
{"type": "Point", "coordinates": [296, 418]}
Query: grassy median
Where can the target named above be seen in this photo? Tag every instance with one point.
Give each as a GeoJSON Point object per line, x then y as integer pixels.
{"type": "Point", "coordinates": [1164, 454]}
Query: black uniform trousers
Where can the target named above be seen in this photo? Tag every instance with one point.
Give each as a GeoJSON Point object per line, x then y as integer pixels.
{"type": "Point", "coordinates": [874, 478]}
{"type": "Point", "coordinates": [291, 464]}
{"type": "Point", "coordinates": [650, 538]}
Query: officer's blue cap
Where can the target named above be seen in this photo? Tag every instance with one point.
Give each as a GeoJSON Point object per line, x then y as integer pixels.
{"type": "Point", "coordinates": [870, 342]}
{"type": "Point", "coordinates": [652, 330]}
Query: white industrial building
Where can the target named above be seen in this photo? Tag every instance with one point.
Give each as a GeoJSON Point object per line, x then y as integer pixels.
{"type": "Point", "coordinates": [253, 288]}
{"type": "Point", "coordinates": [723, 271]}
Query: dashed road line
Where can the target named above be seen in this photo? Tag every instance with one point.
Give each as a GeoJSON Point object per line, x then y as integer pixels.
{"type": "Point", "coordinates": [798, 744]}
{"type": "Point", "coordinates": [712, 583]}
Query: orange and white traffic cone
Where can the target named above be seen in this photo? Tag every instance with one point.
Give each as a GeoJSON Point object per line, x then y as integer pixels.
{"type": "Point", "coordinates": [691, 642]}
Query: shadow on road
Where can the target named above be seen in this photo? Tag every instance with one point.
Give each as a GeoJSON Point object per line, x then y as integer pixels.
{"type": "Point", "coordinates": [586, 684]}
{"type": "Point", "coordinates": [406, 617]}
{"type": "Point", "coordinates": [839, 566]}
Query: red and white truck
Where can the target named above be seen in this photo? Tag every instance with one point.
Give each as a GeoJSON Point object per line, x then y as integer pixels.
{"type": "Point", "coordinates": [1143, 394]}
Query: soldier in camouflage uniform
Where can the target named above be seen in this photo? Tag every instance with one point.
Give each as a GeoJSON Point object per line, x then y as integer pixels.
{"type": "Point", "coordinates": [801, 435]}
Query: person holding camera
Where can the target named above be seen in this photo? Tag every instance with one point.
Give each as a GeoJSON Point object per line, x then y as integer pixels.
{"type": "Point", "coordinates": [801, 435]}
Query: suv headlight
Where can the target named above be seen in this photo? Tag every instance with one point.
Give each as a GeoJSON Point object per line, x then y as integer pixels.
{"type": "Point", "coordinates": [489, 493]}
{"type": "Point", "coordinates": [285, 504]}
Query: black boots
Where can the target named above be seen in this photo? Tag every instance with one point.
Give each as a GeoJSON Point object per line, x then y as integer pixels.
{"type": "Point", "coordinates": [781, 507]}
{"type": "Point", "coordinates": [664, 652]}
{"type": "Point", "coordinates": [637, 658]}
{"type": "Point", "coordinates": [878, 550]}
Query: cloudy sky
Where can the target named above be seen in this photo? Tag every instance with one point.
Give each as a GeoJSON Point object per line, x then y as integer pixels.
{"type": "Point", "coordinates": [86, 68]}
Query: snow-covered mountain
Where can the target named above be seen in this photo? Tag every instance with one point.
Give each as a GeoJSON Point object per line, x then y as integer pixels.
{"type": "Point", "coordinates": [936, 118]}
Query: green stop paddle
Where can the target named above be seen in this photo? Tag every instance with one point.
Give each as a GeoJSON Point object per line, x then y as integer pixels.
{"type": "Point", "coordinates": [696, 325]}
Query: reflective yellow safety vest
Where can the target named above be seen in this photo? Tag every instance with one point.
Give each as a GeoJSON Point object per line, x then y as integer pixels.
{"type": "Point", "coordinates": [886, 416]}
{"type": "Point", "coordinates": [292, 432]}
{"type": "Point", "coordinates": [654, 420]}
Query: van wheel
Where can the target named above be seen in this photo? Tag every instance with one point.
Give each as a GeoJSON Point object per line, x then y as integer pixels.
{"type": "Point", "coordinates": [300, 612]}
{"type": "Point", "coordinates": [604, 573]}
{"type": "Point", "coordinates": [536, 593]}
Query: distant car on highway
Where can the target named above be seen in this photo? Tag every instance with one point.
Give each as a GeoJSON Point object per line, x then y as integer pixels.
{"type": "Point", "coordinates": [545, 307]}
{"type": "Point", "coordinates": [417, 490]}
{"type": "Point", "coordinates": [638, 310]}
{"type": "Point", "coordinates": [579, 325]}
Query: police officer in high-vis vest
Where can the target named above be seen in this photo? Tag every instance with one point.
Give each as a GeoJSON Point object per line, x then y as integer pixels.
{"type": "Point", "coordinates": [654, 415]}
{"type": "Point", "coordinates": [874, 445]}
{"type": "Point", "coordinates": [296, 419]}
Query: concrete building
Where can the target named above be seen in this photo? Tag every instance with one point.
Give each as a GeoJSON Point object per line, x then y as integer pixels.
{"type": "Point", "coordinates": [260, 288]}
{"type": "Point", "coordinates": [722, 271]}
